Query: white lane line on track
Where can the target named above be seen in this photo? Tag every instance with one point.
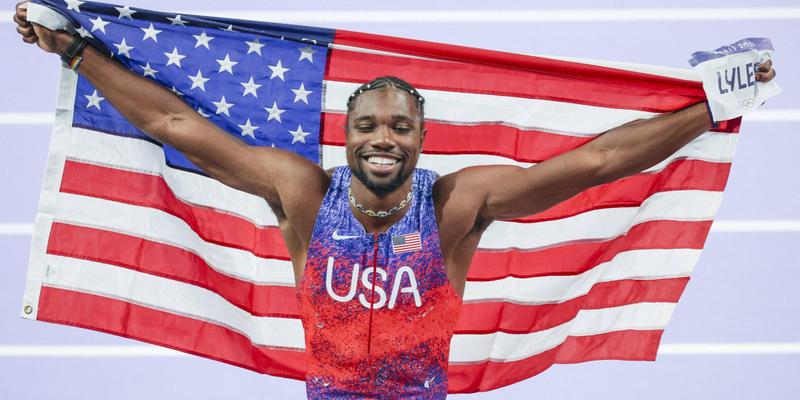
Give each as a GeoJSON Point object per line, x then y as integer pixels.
{"type": "Point", "coordinates": [15, 229]}
{"type": "Point", "coordinates": [45, 118]}
{"type": "Point", "coordinates": [505, 16]}
{"type": "Point", "coordinates": [721, 226]}
{"type": "Point", "coordinates": [137, 351]}
{"type": "Point", "coordinates": [697, 349]}
{"type": "Point", "coordinates": [756, 226]}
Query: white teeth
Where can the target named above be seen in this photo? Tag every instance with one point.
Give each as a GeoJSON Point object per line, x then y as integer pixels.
{"type": "Point", "coordinates": [381, 160]}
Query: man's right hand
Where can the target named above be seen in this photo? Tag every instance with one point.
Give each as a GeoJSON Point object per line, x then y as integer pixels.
{"type": "Point", "coordinates": [47, 40]}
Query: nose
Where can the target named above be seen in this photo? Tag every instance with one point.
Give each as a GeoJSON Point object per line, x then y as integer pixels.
{"type": "Point", "coordinates": [383, 138]}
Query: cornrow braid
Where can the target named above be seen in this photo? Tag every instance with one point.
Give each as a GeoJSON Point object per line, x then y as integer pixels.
{"type": "Point", "coordinates": [389, 81]}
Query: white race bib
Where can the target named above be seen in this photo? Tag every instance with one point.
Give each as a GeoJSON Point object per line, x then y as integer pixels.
{"type": "Point", "coordinates": [728, 75]}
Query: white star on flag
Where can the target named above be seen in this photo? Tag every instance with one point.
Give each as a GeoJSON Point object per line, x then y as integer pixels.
{"type": "Point", "coordinates": [278, 70]}
{"type": "Point", "coordinates": [98, 24]}
{"type": "Point", "coordinates": [201, 112]}
{"type": "Point", "coordinates": [94, 100]}
{"type": "Point", "coordinates": [83, 32]}
{"type": "Point", "coordinates": [177, 20]}
{"type": "Point", "coordinates": [202, 40]}
{"type": "Point", "coordinates": [198, 81]}
{"type": "Point", "coordinates": [149, 71]}
{"type": "Point", "coordinates": [248, 129]}
{"type": "Point", "coordinates": [125, 12]}
{"type": "Point", "coordinates": [274, 112]}
{"type": "Point", "coordinates": [223, 106]}
{"type": "Point", "coordinates": [174, 58]}
{"type": "Point", "coordinates": [306, 53]}
{"type": "Point", "coordinates": [123, 48]}
{"type": "Point", "coordinates": [229, 28]}
{"type": "Point", "coordinates": [250, 87]}
{"type": "Point", "coordinates": [74, 5]}
{"type": "Point", "coordinates": [226, 64]}
{"type": "Point", "coordinates": [174, 90]}
{"type": "Point", "coordinates": [301, 93]}
{"type": "Point", "coordinates": [254, 47]}
{"type": "Point", "coordinates": [299, 135]}
{"type": "Point", "coordinates": [150, 33]}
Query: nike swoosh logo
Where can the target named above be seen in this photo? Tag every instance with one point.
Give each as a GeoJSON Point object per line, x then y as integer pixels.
{"type": "Point", "coordinates": [336, 236]}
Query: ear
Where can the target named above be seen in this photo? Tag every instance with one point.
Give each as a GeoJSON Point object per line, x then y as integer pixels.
{"type": "Point", "coordinates": [422, 136]}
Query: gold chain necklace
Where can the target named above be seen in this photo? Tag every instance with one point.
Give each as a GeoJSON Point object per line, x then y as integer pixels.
{"type": "Point", "coordinates": [378, 214]}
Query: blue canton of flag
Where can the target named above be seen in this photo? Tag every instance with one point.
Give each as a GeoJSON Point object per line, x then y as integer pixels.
{"type": "Point", "coordinates": [256, 81]}
{"type": "Point", "coordinates": [406, 243]}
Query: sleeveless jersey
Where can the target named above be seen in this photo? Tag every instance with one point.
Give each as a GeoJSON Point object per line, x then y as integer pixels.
{"type": "Point", "coordinates": [389, 340]}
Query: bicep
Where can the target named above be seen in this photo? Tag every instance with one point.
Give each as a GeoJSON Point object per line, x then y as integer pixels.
{"type": "Point", "coordinates": [512, 192]}
{"type": "Point", "coordinates": [274, 174]}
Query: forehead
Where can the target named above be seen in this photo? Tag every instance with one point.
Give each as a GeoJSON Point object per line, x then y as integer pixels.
{"type": "Point", "coordinates": [388, 101]}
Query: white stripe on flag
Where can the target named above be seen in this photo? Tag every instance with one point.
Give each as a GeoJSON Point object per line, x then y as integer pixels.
{"type": "Point", "coordinates": [635, 264]}
{"type": "Point", "coordinates": [170, 296]}
{"type": "Point", "coordinates": [500, 346]}
{"type": "Point", "coordinates": [162, 227]}
{"type": "Point", "coordinates": [712, 147]}
{"type": "Point", "coordinates": [471, 108]}
{"type": "Point", "coordinates": [681, 205]}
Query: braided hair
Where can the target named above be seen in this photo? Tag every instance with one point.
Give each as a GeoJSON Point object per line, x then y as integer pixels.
{"type": "Point", "coordinates": [389, 82]}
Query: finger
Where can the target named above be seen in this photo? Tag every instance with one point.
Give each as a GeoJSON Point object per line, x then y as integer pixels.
{"type": "Point", "coordinates": [30, 39]}
{"type": "Point", "coordinates": [766, 76]}
{"type": "Point", "coordinates": [765, 66]}
{"type": "Point", "coordinates": [22, 6]}
{"type": "Point", "coordinates": [26, 31]}
{"type": "Point", "coordinates": [21, 22]}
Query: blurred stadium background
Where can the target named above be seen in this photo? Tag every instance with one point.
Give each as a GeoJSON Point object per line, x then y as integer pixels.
{"type": "Point", "coordinates": [734, 334]}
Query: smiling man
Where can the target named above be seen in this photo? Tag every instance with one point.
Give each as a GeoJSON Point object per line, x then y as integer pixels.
{"type": "Point", "coordinates": [380, 249]}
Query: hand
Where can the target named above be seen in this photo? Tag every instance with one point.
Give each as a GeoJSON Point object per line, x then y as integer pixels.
{"type": "Point", "coordinates": [765, 72]}
{"type": "Point", "coordinates": [47, 40]}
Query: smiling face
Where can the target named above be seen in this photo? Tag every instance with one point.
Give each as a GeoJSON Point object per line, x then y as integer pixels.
{"type": "Point", "coordinates": [384, 138]}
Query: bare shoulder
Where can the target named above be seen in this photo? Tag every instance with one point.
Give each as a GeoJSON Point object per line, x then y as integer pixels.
{"type": "Point", "coordinates": [460, 196]}
{"type": "Point", "coordinates": [296, 183]}
{"type": "Point", "coordinates": [468, 186]}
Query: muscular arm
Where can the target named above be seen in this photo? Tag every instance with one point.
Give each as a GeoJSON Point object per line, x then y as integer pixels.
{"type": "Point", "coordinates": [505, 192]}
{"type": "Point", "coordinates": [165, 117]}
{"type": "Point", "coordinates": [619, 152]}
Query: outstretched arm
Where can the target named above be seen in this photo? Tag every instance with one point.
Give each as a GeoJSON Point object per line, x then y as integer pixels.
{"type": "Point", "coordinates": [165, 117]}
{"type": "Point", "coordinates": [505, 192]}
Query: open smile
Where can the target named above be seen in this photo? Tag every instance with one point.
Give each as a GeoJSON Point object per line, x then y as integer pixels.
{"type": "Point", "coordinates": [381, 164]}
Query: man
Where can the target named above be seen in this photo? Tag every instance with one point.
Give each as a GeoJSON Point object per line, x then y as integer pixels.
{"type": "Point", "coordinates": [406, 234]}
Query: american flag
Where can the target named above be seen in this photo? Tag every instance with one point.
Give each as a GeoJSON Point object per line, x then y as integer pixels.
{"type": "Point", "coordinates": [406, 243]}
{"type": "Point", "coordinates": [131, 239]}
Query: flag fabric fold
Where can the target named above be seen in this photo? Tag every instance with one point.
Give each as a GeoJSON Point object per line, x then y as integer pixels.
{"type": "Point", "coordinates": [132, 239]}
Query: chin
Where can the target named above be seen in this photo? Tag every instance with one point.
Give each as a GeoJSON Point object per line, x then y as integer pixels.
{"type": "Point", "coordinates": [384, 185]}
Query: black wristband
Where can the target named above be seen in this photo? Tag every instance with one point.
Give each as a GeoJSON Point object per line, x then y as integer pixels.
{"type": "Point", "coordinates": [74, 50]}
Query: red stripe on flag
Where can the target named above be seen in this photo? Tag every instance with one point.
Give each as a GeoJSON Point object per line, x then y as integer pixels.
{"type": "Point", "coordinates": [152, 191]}
{"type": "Point", "coordinates": [619, 345]}
{"type": "Point", "coordinates": [633, 190]}
{"type": "Point", "coordinates": [170, 262]}
{"type": "Point", "coordinates": [488, 317]}
{"type": "Point", "coordinates": [166, 329]}
{"type": "Point", "coordinates": [575, 258]}
{"type": "Point", "coordinates": [464, 69]}
{"type": "Point", "coordinates": [490, 139]}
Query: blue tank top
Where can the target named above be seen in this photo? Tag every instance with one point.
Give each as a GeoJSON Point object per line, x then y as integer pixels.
{"type": "Point", "coordinates": [389, 340]}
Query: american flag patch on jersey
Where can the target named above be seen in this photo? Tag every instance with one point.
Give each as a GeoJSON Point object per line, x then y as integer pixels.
{"type": "Point", "coordinates": [406, 243]}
